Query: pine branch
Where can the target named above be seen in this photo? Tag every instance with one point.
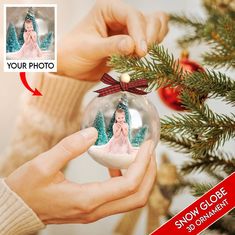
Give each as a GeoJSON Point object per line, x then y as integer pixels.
{"type": "Point", "coordinates": [218, 31]}
{"type": "Point", "coordinates": [180, 144]}
{"type": "Point", "coordinates": [215, 175]}
{"type": "Point", "coordinates": [210, 163]}
{"type": "Point", "coordinates": [207, 162]}
{"type": "Point", "coordinates": [212, 130]}
{"type": "Point", "coordinates": [232, 213]}
{"type": "Point", "coordinates": [137, 68]}
{"type": "Point", "coordinates": [207, 129]}
{"type": "Point", "coordinates": [166, 64]}
{"type": "Point", "coordinates": [223, 44]}
{"type": "Point", "coordinates": [184, 20]}
{"type": "Point", "coordinates": [222, 39]}
{"type": "Point", "coordinates": [198, 190]}
{"type": "Point", "coordinates": [219, 84]}
{"type": "Point", "coordinates": [160, 70]}
{"type": "Point", "coordinates": [189, 39]}
{"type": "Point", "coordinates": [231, 96]}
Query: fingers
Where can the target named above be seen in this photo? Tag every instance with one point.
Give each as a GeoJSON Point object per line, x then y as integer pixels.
{"type": "Point", "coordinates": [67, 149]}
{"type": "Point", "coordinates": [164, 18]}
{"type": "Point", "coordinates": [157, 27]}
{"type": "Point", "coordinates": [119, 44]}
{"type": "Point", "coordinates": [137, 29]}
{"type": "Point", "coordinates": [138, 168]}
{"type": "Point", "coordinates": [153, 28]}
{"type": "Point", "coordinates": [143, 30]}
{"type": "Point", "coordinates": [119, 11]}
{"type": "Point", "coordinates": [134, 201]}
{"type": "Point", "coordinates": [117, 187]}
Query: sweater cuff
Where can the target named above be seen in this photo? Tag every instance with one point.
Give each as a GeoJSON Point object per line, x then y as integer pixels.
{"type": "Point", "coordinates": [15, 216]}
{"type": "Point", "coordinates": [62, 96]}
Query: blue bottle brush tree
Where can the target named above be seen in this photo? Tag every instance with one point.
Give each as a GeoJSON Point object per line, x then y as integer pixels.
{"type": "Point", "coordinates": [46, 42]}
{"type": "Point", "coordinates": [12, 43]}
{"type": "Point", "coordinates": [139, 137]}
{"type": "Point", "coordinates": [99, 124]}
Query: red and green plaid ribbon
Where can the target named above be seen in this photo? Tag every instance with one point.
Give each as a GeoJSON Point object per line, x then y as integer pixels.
{"type": "Point", "coordinates": [116, 86]}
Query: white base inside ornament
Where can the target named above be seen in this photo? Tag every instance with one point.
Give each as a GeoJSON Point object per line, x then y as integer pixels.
{"type": "Point", "coordinates": [46, 55]}
{"type": "Point", "coordinates": [112, 160]}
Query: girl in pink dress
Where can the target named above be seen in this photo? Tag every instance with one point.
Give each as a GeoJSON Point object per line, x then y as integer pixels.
{"type": "Point", "coordinates": [120, 143]}
{"type": "Point", "coordinates": [30, 48]}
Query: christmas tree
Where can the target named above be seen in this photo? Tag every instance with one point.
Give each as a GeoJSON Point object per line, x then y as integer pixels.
{"type": "Point", "coordinates": [29, 16]}
{"type": "Point", "coordinates": [200, 133]}
{"type": "Point", "coordinates": [138, 139]}
{"type": "Point", "coordinates": [99, 124]}
{"type": "Point", "coordinates": [123, 104]}
{"type": "Point", "coordinates": [46, 42]}
{"type": "Point", "coordinates": [12, 44]}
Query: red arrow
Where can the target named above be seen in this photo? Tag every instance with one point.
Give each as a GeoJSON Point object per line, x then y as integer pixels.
{"type": "Point", "coordinates": [35, 92]}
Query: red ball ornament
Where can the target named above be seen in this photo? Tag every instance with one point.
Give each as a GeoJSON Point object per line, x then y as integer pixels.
{"type": "Point", "coordinates": [171, 95]}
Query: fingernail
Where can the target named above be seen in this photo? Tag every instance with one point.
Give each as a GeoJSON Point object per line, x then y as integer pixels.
{"type": "Point", "coordinates": [89, 133]}
{"type": "Point", "coordinates": [143, 46]}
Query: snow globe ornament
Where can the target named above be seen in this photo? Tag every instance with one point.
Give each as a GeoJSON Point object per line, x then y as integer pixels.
{"type": "Point", "coordinates": [124, 119]}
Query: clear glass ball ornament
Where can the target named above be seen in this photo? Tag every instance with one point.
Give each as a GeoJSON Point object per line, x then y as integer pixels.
{"type": "Point", "coordinates": [123, 121]}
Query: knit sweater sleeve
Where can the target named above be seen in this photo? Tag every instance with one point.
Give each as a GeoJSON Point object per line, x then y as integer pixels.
{"type": "Point", "coordinates": [16, 218]}
{"type": "Point", "coordinates": [43, 121]}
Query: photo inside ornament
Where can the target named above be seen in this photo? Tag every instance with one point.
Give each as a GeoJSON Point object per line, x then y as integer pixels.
{"type": "Point", "coordinates": [123, 121]}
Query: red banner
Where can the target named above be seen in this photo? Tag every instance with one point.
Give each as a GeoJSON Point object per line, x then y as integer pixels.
{"type": "Point", "coordinates": [203, 212]}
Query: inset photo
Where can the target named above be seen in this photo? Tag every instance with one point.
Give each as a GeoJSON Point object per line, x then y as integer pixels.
{"type": "Point", "coordinates": [30, 37]}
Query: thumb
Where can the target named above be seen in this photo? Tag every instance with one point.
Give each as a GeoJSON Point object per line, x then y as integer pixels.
{"type": "Point", "coordinates": [67, 149]}
{"type": "Point", "coordinates": [118, 44]}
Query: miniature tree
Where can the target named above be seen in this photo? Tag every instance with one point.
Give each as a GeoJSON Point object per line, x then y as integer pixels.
{"type": "Point", "coordinates": [138, 139]}
{"type": "Point", "coordinates": [46, 42]}
{"type": "Point", "coordinates": [99, 124]}
{"type": "Point", "coordinates": [12, 43]}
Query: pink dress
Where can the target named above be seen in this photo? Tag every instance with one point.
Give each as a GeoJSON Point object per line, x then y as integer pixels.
{"type": "Point", "coordinates": [120, 143]}
{"type": "Point", "coordinates": [30, 48]}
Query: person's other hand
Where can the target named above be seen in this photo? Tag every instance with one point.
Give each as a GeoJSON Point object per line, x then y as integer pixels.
{"type": "Point", "coordinates": [42, 185]}
{"type": "Point", "coordinates": [111, 27]}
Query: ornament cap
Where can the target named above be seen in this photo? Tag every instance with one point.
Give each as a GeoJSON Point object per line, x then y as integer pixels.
{"type": "Point", "coordinates": [125, 77]}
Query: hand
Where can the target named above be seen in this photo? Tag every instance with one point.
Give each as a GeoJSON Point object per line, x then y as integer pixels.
{"type": "Point", "coordinates": [119, 125]}
{"type": "Point", "coordinates": [42, 185]}
{"type": "Point", "coordinates": [124, 125]}
{"type": "Point", "coordinates": [111, 27]}
{"type": "Point", "coordinates": [125, 129]}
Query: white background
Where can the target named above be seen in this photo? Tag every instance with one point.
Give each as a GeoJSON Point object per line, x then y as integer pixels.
{"type": "Point", "coordinates": [84, 169]}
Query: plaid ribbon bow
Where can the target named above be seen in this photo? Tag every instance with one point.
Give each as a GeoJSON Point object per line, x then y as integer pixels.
{"type": "Point", "coordinates": [116, 86]}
